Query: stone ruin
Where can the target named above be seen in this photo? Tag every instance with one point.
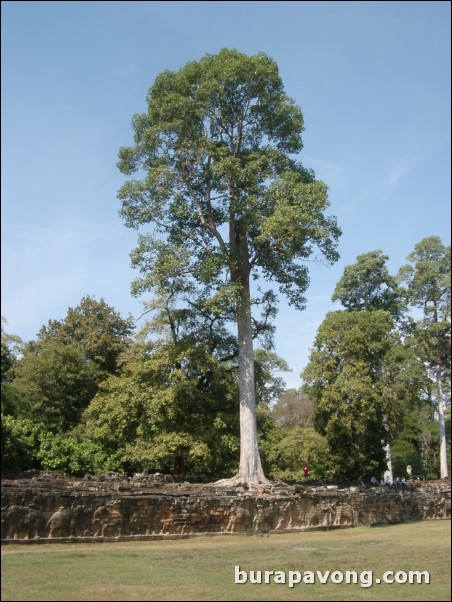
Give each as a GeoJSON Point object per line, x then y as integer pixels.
{"type": "Point", "coordinates": [46, 507]}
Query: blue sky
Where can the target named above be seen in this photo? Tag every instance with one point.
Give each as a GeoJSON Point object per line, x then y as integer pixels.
{"type": "Point", "coordinates": [372, 80]}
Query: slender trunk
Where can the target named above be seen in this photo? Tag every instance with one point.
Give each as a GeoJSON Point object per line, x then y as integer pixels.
{"type": "Point", "coordinates": [441, 423]}
{"type": "Point", "coordinates": [250, 470]}
{"type": "Point", "coordinates": [388, 475]}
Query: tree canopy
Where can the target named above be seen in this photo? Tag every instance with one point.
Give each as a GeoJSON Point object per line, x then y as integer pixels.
{"type": "Point", "coordinates": [367, 285]}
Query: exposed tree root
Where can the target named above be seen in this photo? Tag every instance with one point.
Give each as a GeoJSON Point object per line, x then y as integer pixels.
{"type": "Point", "coordinates": [262, 485]}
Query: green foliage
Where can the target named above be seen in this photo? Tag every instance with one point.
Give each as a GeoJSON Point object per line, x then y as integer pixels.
{"type": "Point", "coordinates": [297, 447]}
{"type": "Point", "coordinates": [10, 348]}
{"type": "Point", "coordinates": [417, 443]}
{"type": "Point", "coordinates": [203, 323]}
{"type": "Point", "coordinates": [65, 453]}
{"type": "Point", "coordinates": [173, 409]}
{"type": "Point", "coordinates": [57, 384]}
{"type": "Point", "coordinates": [215, 145]}
{"type": "Point", "coordinates": [59, 374]}
{"type": "Point", "coordinates": [371, 385]}
{"type": "Point", "coordinates": [170, 452]}
{"type": "Point", "coordinates": [20, 443]}
{"type": "Point", "coordinates": [226, 198]}
{"type": "Point", "coordinates": [12, 402]}
{"type": "Point", "coordinates": [28, 444]}
{"type": "Point", "coordinates": [169, 402]}
{"type": "Point", "coordinates": [427, 280]}
{"type": "Point", "coordinates": [96, 328]}
{"type": "Point", "coordinates": [427, 286]}
{"type": "Point", "coordinates": [356, 407]}
{"type": "Point", "coordinates": [268, 386]}
{"type": "Point", "coordinates": [7, 362]}
{"type": "Point", "coordinates": [403, 454]}
{"type": "Point", "coordinates": [367, 285]}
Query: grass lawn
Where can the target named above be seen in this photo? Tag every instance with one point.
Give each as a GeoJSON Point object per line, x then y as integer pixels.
{"type": "Point", "coordinates": [203, 568]}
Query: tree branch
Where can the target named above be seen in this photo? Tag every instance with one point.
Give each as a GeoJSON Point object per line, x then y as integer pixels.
{"type": "Point", "coordinates": [205, 223]}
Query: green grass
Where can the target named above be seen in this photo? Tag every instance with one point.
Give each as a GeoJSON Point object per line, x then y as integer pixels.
{"type": "Point", "coordinates": [203, 568]}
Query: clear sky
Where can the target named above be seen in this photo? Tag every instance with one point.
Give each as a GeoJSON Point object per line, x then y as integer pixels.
{"type": "Point", "coordinates": [372, 80]}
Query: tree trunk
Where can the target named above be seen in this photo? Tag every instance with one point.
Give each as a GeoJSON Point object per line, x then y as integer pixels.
{"type": "Point", "coordinates": [442, 425]}
{"type": "Point", "coordinates": [388, 475]}
{"type": "Point", "coordinates": [250, 470]}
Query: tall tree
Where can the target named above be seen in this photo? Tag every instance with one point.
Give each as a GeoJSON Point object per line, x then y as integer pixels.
{"type": "Point", "coordinates": [352, 382]}
{"type": "Point", "coordinates": [368, 285]}
{"type": "Point", "coordinates": [427, 279]}
{"type": "Point", "coordinates": [226, 199]}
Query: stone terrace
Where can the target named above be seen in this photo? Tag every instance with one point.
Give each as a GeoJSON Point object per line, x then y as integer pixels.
{"type": "Point", "coordinates": [52, 507]}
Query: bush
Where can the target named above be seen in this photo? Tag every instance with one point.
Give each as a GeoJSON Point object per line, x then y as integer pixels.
{"type": "Point", "coordinates": [63, 452]}
{"type": "Point", "coordinates": [297, 448]}
{"type": "Point", "coordinates": [21, 440]}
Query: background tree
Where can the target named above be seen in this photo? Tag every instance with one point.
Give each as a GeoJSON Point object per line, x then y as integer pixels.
{"type": "Point", "coordinates": [354, 401]}
{"type": "Point", "coordinates": [226, 200]}
{"type": "Point", "coordinates": [19, 441]}
{"type": "Point", "coordinates": [174, 406]}
{"type": "Point", "coordinates": [294, 410]}
{"type": "Point", "coordinates": [427, 280]}
{"type": "Point", "coordinates": [399, 375]}
{"type": "Point", "coordinates": [10, 347]}
{"type": "Point", "coordinates": [296, 448]}
{"type": "Point", "coordinates": [56, 384]}
{"type": "Point", "coordinates": [97, 329]}
{"type": "Point", "coordinates": [47, 383]}
{"type": "Point", "coordinates": [59, 373]}
{"type": "Point", "coordinates": [173, 409]}
{"type": "Point", "coordinates": [269, 386]}
{"type": "Point", "coordinates": [368, 285]}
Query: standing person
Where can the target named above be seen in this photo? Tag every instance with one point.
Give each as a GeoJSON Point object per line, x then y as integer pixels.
{"type": "Point", "coordinates": [306, 471]}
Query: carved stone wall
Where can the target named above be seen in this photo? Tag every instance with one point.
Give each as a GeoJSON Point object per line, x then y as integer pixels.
{"type": "Point", "coordinates": [53, 508]}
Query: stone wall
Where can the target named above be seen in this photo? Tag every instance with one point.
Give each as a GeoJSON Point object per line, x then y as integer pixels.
{"type": "Point", "coordinates": [49, 507]}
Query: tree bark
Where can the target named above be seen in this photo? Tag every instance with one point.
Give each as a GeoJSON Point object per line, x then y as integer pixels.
{"type": "Point", "coordinates": [250, 474]}
{"type": "Point", "coordinates": [250, 469]}
{"type": "Point", "coordinates": [441, 423]}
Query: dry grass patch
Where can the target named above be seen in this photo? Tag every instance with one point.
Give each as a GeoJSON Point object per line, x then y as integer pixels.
{"type": "Point", "coordinates": [203, 568]}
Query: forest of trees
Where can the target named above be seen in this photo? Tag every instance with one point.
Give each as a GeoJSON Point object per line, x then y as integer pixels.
{"type": "Point", "coordinates": [90, 394]}
{"type": "Point", "coordinates": [223, 206]}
